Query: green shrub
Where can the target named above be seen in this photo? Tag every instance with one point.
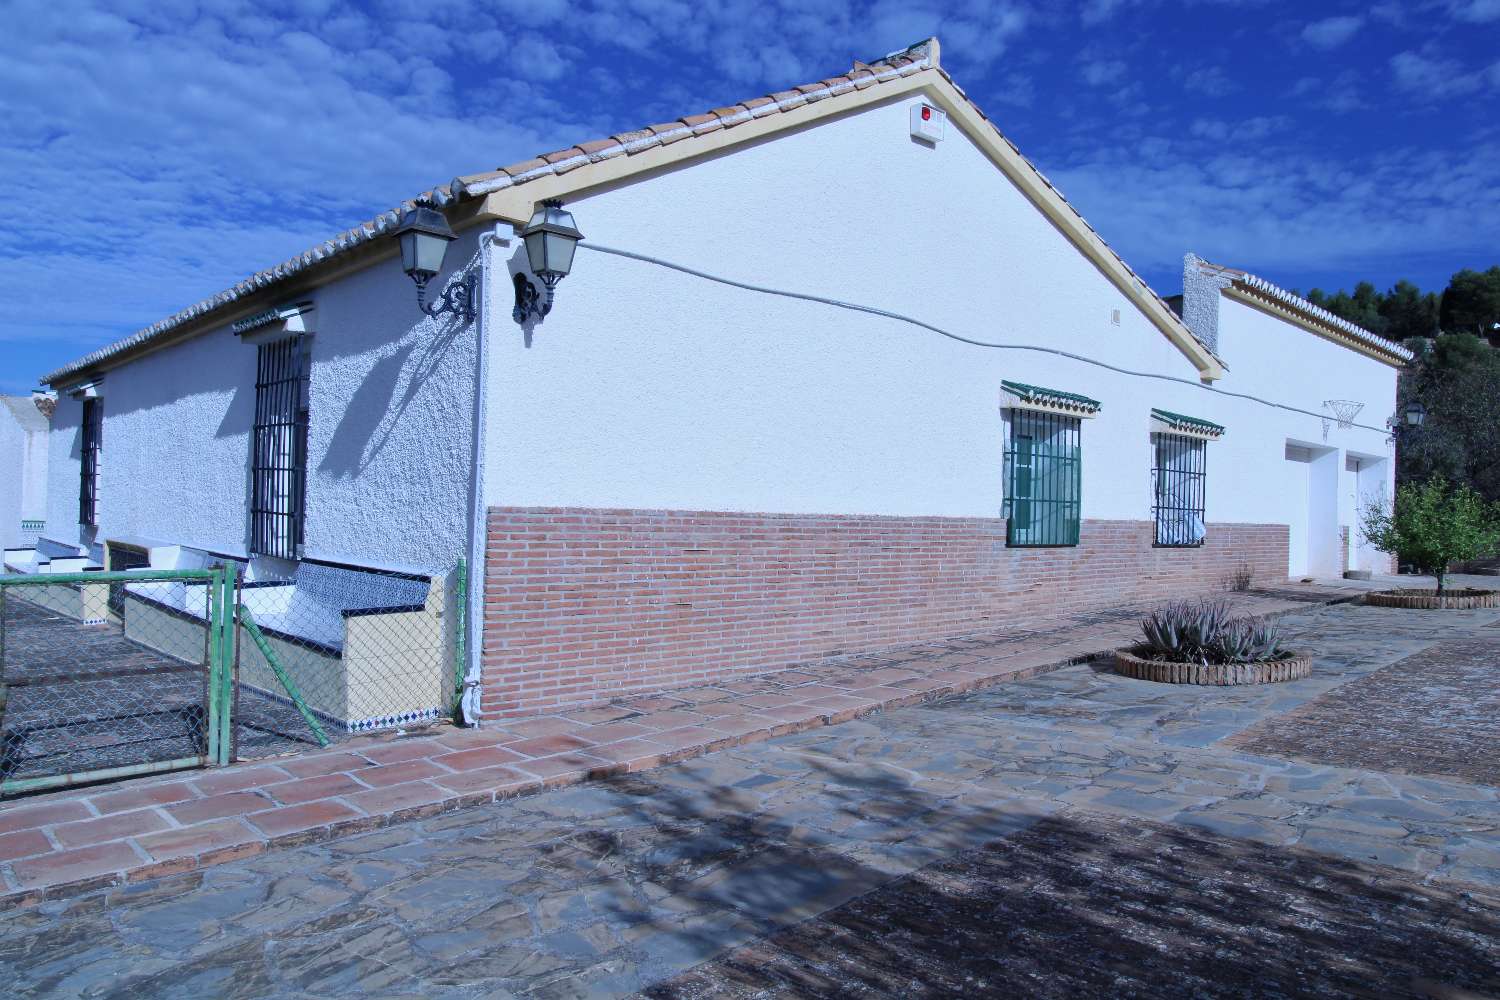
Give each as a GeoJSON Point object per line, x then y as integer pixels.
{"type": "Point", "coordinates": [1433, 525]}
{"type": "Point", "coordinates": [1203, 632]}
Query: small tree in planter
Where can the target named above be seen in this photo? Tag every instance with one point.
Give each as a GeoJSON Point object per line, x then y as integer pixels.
{"type": "Point", "coordinates": [1433, 525]}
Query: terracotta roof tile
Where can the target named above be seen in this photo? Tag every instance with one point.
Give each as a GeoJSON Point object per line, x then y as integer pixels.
{"type": "Point", "coordinates": [596, 146]}
{"type": "Point", "coordinates": [525, 166]}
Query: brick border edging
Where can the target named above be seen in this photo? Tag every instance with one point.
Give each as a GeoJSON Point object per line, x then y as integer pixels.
{"type": "Point", "coordinates": [1291, 668]}
{"type": "Point", "coordinates": [1428, 600]}
{"type": "Point", "coordinates": [188, 864]}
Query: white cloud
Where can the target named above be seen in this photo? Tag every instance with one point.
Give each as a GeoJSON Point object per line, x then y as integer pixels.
{"type": "Point", "coordinates": [1476, 11]}
{"type": "Point", "coordinates": [1344, 93]}
{"type": "Point", "coordinates": [1331, 32]}
{"type": "Point", "coordinates": [1287, 207]}
{"type": "Point", "coordinates": [1103, 73]}
{"type": "Point", "coordinates": [1432, 77]}
{"type": "Point", "coordinates": [1210, 81]}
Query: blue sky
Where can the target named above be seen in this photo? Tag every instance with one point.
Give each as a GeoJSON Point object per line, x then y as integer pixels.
{"type": "Point", "coordinates": [156, 151]}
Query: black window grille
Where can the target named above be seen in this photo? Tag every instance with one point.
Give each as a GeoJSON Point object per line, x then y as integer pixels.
{"type": "Point", "coordinates": [278, 467]}
{"type": "Point", "coordinates": [1043, 479]}
{"type": "Point", "coordinates": [88, 482]}
{"type": "Point", "coordinates": [1179, 480]}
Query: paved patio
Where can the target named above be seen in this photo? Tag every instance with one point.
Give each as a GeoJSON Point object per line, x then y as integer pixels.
{"type": "Point", "coordinates": [75, 840]}
{"type": "Point", "coordinates": [1073, 834]}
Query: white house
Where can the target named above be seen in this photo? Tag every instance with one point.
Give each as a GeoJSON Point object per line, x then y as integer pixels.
{"type": "Point", "coordinates": [23, 468]}
{"type": "Point", "coordinates": [834, 369]}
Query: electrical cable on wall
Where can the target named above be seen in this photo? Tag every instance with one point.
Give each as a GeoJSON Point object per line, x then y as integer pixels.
{"type": "Point", "coordinates": [886, 313]}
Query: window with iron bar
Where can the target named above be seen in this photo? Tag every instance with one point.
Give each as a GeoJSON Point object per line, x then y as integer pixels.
{"type": "Point", "coordinates": [1179, 482]}
{"type": "Point", "coordinates": [278, 464]}
{"type": "Point", "coordinates": [88, 469]}
{"type": "Point", "coordinates": [1043, 479]}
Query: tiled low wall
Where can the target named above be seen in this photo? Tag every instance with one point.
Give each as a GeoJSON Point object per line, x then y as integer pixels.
{"type": "Point", "coordinates": [583, 605]}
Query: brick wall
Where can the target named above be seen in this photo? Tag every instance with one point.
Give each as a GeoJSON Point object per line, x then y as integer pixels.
{"type": "Point", "coordinates": [583, 605]}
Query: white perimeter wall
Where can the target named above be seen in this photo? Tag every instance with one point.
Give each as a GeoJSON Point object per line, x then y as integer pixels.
{"type": "Point", "coordinates": [23, 476]}
{"type": "Point", "coordinates": [651, 388]}
{"type": "Point", "coordinates": [389, 441]}
{"type": "Point", "coordinates": [1284, 363]}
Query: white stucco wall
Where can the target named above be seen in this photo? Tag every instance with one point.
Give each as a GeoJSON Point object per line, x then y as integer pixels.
{"type": "Point", "coordinates": [1280, 361]}
{"type": "Point", "coordinates": [647, 387]}
{"type": "Point", "coordinates": [389, 438]}
{"type": "Point", "coordinates": [12, 476]}
{"type": "Point", "coordinates": [23, 467]}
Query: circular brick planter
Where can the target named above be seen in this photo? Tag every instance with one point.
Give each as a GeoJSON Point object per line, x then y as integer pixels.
{"type": "Point", "coordinates": [1165, 672]}
{"type": "Point", "coordinates": [1452, 600]}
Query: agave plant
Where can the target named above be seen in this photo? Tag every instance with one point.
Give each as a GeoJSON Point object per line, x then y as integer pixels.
{"type": "Point", "coordinates": [1203, 632]}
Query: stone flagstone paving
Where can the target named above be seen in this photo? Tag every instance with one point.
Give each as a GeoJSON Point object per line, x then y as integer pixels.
{"type": "Point", "coordinates": [1164, 833]}
{"type": "Point", "coordinates": [81, 838]}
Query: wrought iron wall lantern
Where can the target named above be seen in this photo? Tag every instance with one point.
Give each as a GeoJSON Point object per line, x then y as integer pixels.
{"type": "Point", "coordinates": [551, 238]}
{"type": "Point", "coordinates": [424, 236]}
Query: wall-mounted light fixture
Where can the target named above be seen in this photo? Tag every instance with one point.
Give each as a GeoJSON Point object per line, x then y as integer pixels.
{"type": "Point", "coordinates": [424, 237]}
{"type": "Point", "coordinates": [551, 238]}
{"type": "Point", "coordinates": [1415, 413]}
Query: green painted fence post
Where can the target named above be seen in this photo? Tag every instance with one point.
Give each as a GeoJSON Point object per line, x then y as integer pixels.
{"type": "Point", "coordinates": [226, 673]}
{"type": "Point", "coordinates": [215, 664]}
{"type": "Point", "coordinates": [460, 639]}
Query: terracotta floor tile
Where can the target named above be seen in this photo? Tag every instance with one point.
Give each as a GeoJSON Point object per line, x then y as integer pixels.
{"type": "Point", "coordinates": [471, 760]}
{"type": "Point", "coordinates": [194, 840]}
{"type": "Point", "coordinates": [396, 774]}
{"type": "Point", "coordinates": [29, 817]}
{"type": "Point", "coordinates": [379, 801]}
{"type": "Point", "coordinates": [126, 799]}
{"type": "Point", "coordinates": [307, 816]}
{"type": "Point", "coordinates": [115, 827]}
{"type": "Point", "coordinates": [71, 866]}
{"type": "Point", "coordinates": [233, 779]}
{"type": "Point", "coordinates": [583, 765]}
{"type": "Point", "coordinates": [322, 763]}
{"type": "Point", "coordinates": [404, 750]}
{"type": "Point", "coordinates": [483, 779]}
{"type": "Point", "coordinates": [549, 725]}
{"type": "Point", "coordinates": [23, 843]}
{"type": "Point", "coordinates": [546, 746]}
{"type": "Point", "coordinates": [324, 786]}
{"type": "Point", "coordinates": [216, 806]}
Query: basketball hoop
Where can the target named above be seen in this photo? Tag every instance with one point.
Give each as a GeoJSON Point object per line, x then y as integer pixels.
{"type": "Point", "coordinates": [1344, 412]}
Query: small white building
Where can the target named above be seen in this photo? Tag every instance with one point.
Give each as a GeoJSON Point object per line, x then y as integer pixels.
{"type": "Point", "coordinates": [23, 469]}
{"type": "Point", "coordinates": [834, 369]}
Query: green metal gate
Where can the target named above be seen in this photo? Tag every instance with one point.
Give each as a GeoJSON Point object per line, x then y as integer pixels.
{"type": "Point", "coordinates": [114, 674]}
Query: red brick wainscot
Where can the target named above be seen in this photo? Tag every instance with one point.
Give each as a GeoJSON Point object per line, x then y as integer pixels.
{"type": "Point", "coordinates": [583, 605]}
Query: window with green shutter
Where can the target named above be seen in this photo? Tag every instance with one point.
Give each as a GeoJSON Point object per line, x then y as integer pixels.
{"type": "Point", "coordinates": [1043, 479]}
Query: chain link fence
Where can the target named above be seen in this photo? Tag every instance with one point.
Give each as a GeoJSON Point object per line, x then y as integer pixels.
{"type": "Point", "coordinates": [113, 674]}
{"type": "Point", "coordinates": [82, 701]}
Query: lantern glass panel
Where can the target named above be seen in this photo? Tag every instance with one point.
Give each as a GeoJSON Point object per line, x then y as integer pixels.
{"type": "Point", "coordinates": [536, 251]}
{"type": "Point", "coordinates": [430, 252]}
{"type": "Point", "coordinates": [560, 252]}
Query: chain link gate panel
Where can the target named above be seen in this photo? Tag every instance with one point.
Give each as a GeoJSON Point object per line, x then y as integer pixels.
{"type": "Point", "coordinates": [114, 674]}
{"type": "Point", "coordinates": [109, 675]}
{"type": "Point", "coordinates": [335, 651]}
